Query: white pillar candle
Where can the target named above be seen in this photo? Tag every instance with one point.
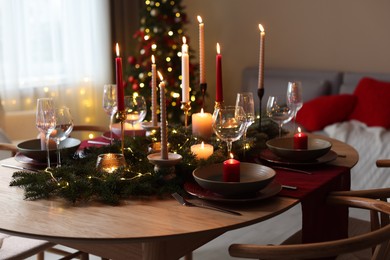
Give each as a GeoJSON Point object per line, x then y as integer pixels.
{"type": "Point", "coordinates": [202, 72]}
{"type": "Point", "coordinates": [185, 70]}
{"type": "Point", "coordinates": [154, 94]}
{"type": "Point", "coordinates": [202, 124]}
{"type": "Point", "coordinates": [202, 151]}
{"type": "Point", "coordinates": [261, 58]}
{"type": "Point", "coordinates": [163, 111]}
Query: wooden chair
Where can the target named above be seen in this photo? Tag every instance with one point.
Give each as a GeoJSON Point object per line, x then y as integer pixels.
{"type": "Point", "coordinates": [93, 128]}
{"type": "Point", "coordinates": [9, 147]}
{"type": "Point", "coordinates": [83, 131]}
{"type": "Point", "coordinates": [378, 238]}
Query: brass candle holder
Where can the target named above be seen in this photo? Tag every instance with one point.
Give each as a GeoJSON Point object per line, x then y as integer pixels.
{"type": "Point", "coordinates": [121, 116]}
{"type": "Point", "coordinates": [218, 104]}
{"type": "Point", "coordinates": [186, 106]}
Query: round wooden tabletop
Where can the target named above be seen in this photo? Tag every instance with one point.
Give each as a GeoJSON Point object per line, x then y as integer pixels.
{"type": "Point", "coordinates": [138, 225]}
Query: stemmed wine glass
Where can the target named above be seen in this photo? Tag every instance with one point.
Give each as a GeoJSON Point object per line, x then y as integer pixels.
{"type": "Point", "coordinates": [279, 111]}
{"type": "Point", "coordinates": [110, 103]}
{"type": "Point", "coordinates": [245, 100]}
{"type": "Point", "coordinates": [294, 98]}
{"type": "Point", "coordinates": [63, 128]}
{"type": "Point", "coordinates": [229, 124]}
{"type": "Point", "coordinates": [46, 121]}
{"type": "Point", "coordinates": [135, 106]}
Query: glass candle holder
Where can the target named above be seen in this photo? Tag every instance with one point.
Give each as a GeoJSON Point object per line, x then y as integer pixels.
{"type": "Point", "coordinates": [110, 162]}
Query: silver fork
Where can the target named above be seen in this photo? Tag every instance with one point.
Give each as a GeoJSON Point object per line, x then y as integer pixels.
{"type": "Point", "coordinates": [185, 202]}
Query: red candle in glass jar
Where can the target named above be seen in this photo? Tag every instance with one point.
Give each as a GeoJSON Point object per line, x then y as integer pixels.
{"type": "Point", "coordinates": [231, 170]}
{"type": "Point", "coordinates": [300, 140]}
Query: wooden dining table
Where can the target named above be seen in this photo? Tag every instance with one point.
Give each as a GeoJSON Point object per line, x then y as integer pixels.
{"type": "Point", "coordinates": [139, 228]}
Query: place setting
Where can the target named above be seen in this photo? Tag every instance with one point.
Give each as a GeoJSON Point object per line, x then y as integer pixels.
{"type": "Point", "coordinates": [232, 181]}
{"type": "Point", "coordinates": [296, 148]}
{"type": "Point", "coordinates": [55, 125]}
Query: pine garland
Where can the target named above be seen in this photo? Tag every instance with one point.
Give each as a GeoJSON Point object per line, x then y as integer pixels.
{"type": "Point", "coordinates": [78, 180]}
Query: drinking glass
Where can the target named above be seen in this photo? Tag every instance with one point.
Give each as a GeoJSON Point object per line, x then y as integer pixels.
{"type": "Point", "coordinates": [110, 103]}
{"type": "Point", "coordinates": [63, 128]}
{"type": "Point", "coordinates": [245, 100]}
{"type": "Point", "coordinates": [229, 124]}
{"type": "Point", "coordinates": [46, 121]}
{"type": "Point", "coordinates": [279, 111]}
{"type": "Point", "coordinates": [135, 106]}
{"type": "Point", "coordinates": [294, 98]}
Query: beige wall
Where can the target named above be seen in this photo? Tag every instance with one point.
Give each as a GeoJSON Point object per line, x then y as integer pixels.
{"type": "Point", "coordinates": [345, 35]}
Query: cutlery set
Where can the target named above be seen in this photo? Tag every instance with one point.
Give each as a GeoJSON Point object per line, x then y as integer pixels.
{"type": "Point", "coordinates": [185, 202]}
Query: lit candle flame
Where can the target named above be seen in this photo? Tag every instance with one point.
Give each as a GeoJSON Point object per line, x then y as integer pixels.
{"type": "Point", "coordinates": [117, 49]}
{"type": "Point", "coordinates": [199, 19]}
{"type": "Point", "coordinates": [299, 129]}
{"type": "Point", "coordinates": [218, 48]}
{"type": "Point", "coordinates": [231, 156]}
{"type": "Point", "coordinates": [202, 145]}
{"type": "Point", "coordinates": [201, 111]}
{"type": "Point", "coordinates": [160, 75]}
{"type": "Point", "coordinates": [184, 40]}
{"type": "Point", "coordinates": [261, 28]}
{"type": "Point", "coordinates": [153, 61]}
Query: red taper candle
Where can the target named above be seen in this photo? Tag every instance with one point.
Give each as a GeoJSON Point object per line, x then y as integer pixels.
{"type": "Point", "coordinates": [119, 81]}
{"type": "Point", "coordinates": [219, 94]}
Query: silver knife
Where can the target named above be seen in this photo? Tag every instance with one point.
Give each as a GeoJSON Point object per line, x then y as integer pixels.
{"type": "Point", "coordinates": [185, 202]}
{"type": "Point", "coordinates": [18, 167]}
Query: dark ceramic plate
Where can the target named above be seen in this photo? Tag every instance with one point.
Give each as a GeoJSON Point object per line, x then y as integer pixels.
{"type": "Point", "coordinates": [283, 147]}
{"type": "Point", "coordinates": [32, 149]}
{"type": "Point", "coordinates": [269, 191]}
{"type": "Point", "coordinates": [269, 156]}
{"type": "Point", "coordinates": [253, 177]}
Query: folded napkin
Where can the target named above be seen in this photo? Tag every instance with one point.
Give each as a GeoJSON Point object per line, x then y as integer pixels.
{"type": "Point", "coordinates": [324, 178]}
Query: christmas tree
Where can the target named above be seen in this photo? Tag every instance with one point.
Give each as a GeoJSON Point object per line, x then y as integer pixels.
{"type": "Point", "coordinates": [160, 34]}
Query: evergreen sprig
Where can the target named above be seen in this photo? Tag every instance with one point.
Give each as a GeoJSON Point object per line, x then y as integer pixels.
{"type": "Point", "coordinates": [79, 180]}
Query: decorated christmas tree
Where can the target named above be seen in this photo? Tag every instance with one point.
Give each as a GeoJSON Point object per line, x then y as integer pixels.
{"type": "Point", "coordinates": [161, 34]}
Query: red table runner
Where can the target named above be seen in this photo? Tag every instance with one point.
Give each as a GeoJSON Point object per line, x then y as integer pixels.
{"type": "Point", "coordinates": [320, 222]}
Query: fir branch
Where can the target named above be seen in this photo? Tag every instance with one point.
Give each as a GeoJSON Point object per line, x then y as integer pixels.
{"type": "Point", "coordinates": [78, 179]}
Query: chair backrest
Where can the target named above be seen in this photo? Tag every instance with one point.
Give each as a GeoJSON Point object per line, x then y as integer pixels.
{"type": "Point", "coordinates": [8, 147]}
{"type": "Point", "coordinates": [84, 131]}
{"type": "Point", "coordinates": [377, 238]}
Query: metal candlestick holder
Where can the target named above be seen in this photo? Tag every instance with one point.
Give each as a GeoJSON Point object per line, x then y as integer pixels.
{"type": "Point", "coordinates": [186, 106]}
{"type": "Point", "coordinates": [203, 88]}
{"type": "Point", "coordinates": [260, 94]}
{"type": "Point", "coordinates": [121, 116]}
{"type": "Point", "coordinates": [167, 165]}
{"type": "Point", "coordinates": [218, 104]}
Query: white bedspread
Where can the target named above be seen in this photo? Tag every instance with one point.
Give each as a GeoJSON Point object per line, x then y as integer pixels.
{"type": "Point", "coordinates": [372, 143]}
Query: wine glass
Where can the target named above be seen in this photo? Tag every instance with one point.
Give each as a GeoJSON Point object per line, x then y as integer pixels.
{"type": "Point", "coordinates": [46, 121]}
{"type": "Point", "coordinates": [279, 111]}
{"type": "Point", "coordinates": [63, 128]}
{"type": "Point", "coordinates": [229, 124]}
{"type": "Point", "coordinates": [294, 98]}
{"type": "Point", "coordinates": [245, 100]}
{"type": "Point", "coordinates": [110, 103]}
{"type": "Point", "coordinates": [135, 106]}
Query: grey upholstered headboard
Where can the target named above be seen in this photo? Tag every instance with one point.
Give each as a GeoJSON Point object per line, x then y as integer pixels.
{"type": "Point", "coordinates": [351, 79]}
{"type": "Point", "coordinates": [314, 83]}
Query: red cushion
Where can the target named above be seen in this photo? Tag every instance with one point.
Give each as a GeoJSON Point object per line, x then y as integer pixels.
{"type": "Point", "coordinates": [325, 110]}
{"type": "Point", "coordinates": [373, 103]}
